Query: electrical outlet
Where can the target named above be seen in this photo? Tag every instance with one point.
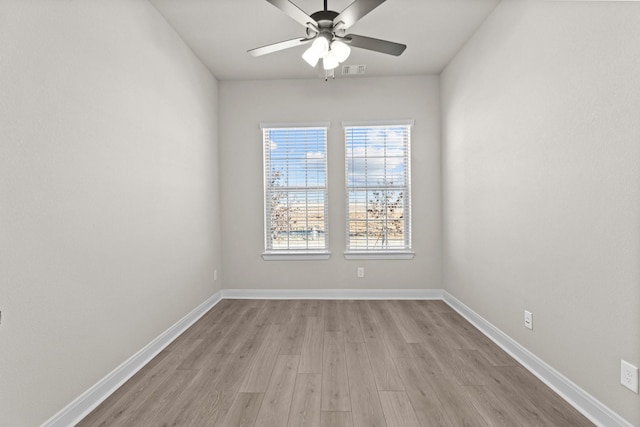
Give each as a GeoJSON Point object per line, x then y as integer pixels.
{"type": "Point", "coordinates": [528, 319]}
{"type": "Point", "coordinates": [360, 272]}
{"type": "Point", "coordinates": [629, 376]}
{"type": "Point", "coordinates": [215, 274]}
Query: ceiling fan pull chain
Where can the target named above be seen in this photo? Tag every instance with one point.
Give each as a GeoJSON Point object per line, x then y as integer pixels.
{"type": "Point", "coordinates": [329, 73]}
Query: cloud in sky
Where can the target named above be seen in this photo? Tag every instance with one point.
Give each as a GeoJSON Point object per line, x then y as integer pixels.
{"type": "Point", "coordinates": [375, 156]}
{"type": "Point", "coordinates": [314, 155]}
{"type": "Point", "coordinates": [272, 145]}
{"type": "Point", "coordinates": [376, 166]}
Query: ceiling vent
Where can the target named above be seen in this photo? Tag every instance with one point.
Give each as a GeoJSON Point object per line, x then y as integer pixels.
{"type": "Point", "coordinates": [353, 69]}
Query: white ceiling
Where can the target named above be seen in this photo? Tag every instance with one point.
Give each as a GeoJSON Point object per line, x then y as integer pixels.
{"type": "Point", "coordinates": [221, 31]}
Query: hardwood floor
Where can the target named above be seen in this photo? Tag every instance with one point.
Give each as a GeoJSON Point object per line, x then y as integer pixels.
{"type": "Point", "coordinates": [333, 363]}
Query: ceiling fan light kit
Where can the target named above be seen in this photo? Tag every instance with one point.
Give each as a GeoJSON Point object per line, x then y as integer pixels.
{"type": "Point", "coordinates": [329, 62]}
{"type": "Point", "coordinates": [325, 31]}
{"type": "Point", "coordinates": [341, 50]}
{"type": "Point", "coordinates": [311, 56]}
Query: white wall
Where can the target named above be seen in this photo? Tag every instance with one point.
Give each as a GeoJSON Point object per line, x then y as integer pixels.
{"type": "Point", "coordinates": [108, 193]}
{"type": "Point", "coordinates": [542, 185]}
{"type": "Point", "coordinates": [245, 104]}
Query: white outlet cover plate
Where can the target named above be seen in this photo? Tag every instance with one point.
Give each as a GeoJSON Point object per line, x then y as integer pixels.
{"type": "Point", "coordinates": [528, 319]}
{"type": "Point", "coordinates": [629, 376]}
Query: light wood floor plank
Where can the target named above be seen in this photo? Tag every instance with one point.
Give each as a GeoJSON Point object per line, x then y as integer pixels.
{"type": "Point", "coordinates": [332, 321]}
{"type": "Point", "coordinates": [160, 402]}
{"type": "Point", "coordinates": [203, 327]}
{"type": "Point", "coordinates": [383, 366]}
{"type": "Point", "coordinates": [456, 405]}
{"type": "Point", "coordinates": [309, 307]}
{"type": "Point", "coordinates": [244, 410]}
{"type": "Point", "coordinates": [336, 419]}
{"type": "Point", "coordinates": [398, 347]}
{"type": "Point", "coordinates": [276, 404]}
{"type": "Point", "coordinates": [219, 400]}
{"type": "Point", "coordinates": [397, 409]}
{"type": "Point", "coordinates": [134, 391]}
{"type": "Point", "coordinates": [237, 332]}
{"type": "Point", "coordinates": [312, 346]}
{"type": "Point", "coordinates": [474, 368]}
{"type": "Point", "coordinates": [305, 407]}
{"type": "Point", "coordinates": [493, 408]}
{"type": "Point", "coordinates": [365, 401]}
{"type": "Point", "coordinates": [255, 334]}
{"type": "Point", "coordinates": [423, 321]}
{"type": "Point", "coordinates": [350, 322]}
{"type": "Point", "coordinates": [405, 323]}
{"type": "Point", "coordinates": [453, 335]}
{"type": "Point", "coordinates": [201, 391]}
{"type": "Point", "coordinates": [259, 372]}
{"type": "Point", "coordinates": [370, 328]}
{"type": "Point", "coordinates": [335, 383]}
{"type": "Point", "coordinates": [495, 355]}
{"type": "Point", "coordinates": [213, 338]}
{"type": "Point", "coordinates": [294, 336]}
{"type": "Point", "coordinates": [427, 406]}
{"type": "Point", "coordinates": [553, 409]}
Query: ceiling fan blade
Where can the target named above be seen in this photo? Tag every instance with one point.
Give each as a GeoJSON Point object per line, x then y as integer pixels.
{"type": "Point", "coordinates": [382, 46]}
{"type": "Point", "coordinates": [259, 51]}
{"type": "Point", "coordinates": [355, 11]}
{"type": "Point", "coordinates": [294, 12]}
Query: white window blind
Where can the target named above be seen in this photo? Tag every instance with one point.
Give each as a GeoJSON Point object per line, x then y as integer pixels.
{"type": "Point", "coordinates": [295, 181]}
{"type": "Point", "coordinates": [378, 188]}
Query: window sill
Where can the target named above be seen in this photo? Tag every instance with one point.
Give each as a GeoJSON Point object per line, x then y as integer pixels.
{"type": "Point", "coordinates": [380, 255]}
{"type": "Point", "coordinates": [296, 256]}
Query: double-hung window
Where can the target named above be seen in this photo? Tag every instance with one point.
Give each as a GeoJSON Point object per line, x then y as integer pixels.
{"type": "Point", "coordinates": [295, 191]}
{"type": "Point", "coordinates": [378, 189]}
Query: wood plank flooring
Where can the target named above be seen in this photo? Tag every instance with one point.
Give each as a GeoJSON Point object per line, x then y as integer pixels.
{"type": "Point", "coordinates": [333, 363]}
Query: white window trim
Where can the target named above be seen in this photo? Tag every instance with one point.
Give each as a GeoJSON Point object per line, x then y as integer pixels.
{"type": "Point", "coordinates": [380, 255]}
{"type": "Point", "coordinates": [403, 254]}
{"type": "Point", "coordinates": [292, 256]}
{"type": "Point", "coordinates": [373, 123]}
{"type": "Point", "coordinates": [295, 125]}
{"type": "Point", "coordinates": [299, 255]}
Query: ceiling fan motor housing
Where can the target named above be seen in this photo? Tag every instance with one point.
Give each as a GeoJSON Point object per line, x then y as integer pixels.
{"type": "Point", "coordinates": [325, 18]}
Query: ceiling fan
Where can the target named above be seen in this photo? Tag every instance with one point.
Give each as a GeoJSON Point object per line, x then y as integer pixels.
{"type": "Point", "coordinates": [326, 31]}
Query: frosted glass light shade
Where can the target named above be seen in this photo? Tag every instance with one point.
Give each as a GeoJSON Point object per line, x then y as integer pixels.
{"type": "Point", "coordinates": [340, 50]}
{"type": "Point", "coordinates": [311, 56]}
{"type": "Point", "coordinates": [321, 46]}
{"type": "Point", "coordinates": [329, 62]}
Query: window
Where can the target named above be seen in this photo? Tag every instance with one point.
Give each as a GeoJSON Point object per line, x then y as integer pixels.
{"type": "Point", "coordinates": [378, 190]}
{"type": "Point", "coordinates": [295, 196]}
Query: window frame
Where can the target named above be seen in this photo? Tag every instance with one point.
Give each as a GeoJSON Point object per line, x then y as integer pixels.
{"type": "Point", "coordinates": [293, 254]}
{"type": "Point", "coordinates": [406, 251]}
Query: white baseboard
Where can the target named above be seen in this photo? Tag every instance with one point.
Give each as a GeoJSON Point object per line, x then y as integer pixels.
{"type": "Point", "coordinates": [90, 399]}
{"type": "Point", "coordinates": [588, 405]}
{"type": "Point", "coordinates": [332, 293]}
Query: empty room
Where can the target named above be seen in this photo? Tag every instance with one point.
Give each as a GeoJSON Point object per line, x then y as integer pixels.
{"type": "Point", "coordinates": [319, 213]}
